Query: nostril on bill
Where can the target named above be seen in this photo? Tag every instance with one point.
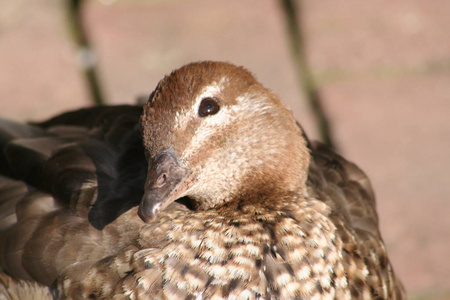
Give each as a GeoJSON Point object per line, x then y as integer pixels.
{"type": "Point", "coordinates": [161, 181]}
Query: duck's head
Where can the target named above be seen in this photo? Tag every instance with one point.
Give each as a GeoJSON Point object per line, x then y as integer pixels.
{"type": "Point", "coordinates": [214, 134]}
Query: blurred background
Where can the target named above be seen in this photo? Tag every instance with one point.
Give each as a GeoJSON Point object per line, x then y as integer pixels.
{"type": "Point", "coordinates": [382, 69]}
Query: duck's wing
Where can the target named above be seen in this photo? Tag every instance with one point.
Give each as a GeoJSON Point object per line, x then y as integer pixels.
{"type": "Point", "coordinates": [347, 190]}
{"type": "Point", "coordinates": [65, 185]}
{"type": "Point", "coordinates": [345, 187]}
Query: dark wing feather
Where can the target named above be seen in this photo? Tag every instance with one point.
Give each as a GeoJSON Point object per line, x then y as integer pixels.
{"type": "Point", "coordinates": [9, 131]}
{"type": "Point", "coordinates": [63, 176]}
{"type": "Point", "coordinates": [343, 186]}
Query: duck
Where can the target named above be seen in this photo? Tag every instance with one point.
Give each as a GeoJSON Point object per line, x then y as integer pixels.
{"type": "Point", "coordinates": [211, 190]}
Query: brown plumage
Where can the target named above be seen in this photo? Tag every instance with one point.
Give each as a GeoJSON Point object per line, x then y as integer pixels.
{"type": "Point", "coordinates": [235, 203]}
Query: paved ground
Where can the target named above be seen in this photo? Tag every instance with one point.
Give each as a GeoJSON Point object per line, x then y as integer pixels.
{"type": "Point", "coordinates": [384, 69]}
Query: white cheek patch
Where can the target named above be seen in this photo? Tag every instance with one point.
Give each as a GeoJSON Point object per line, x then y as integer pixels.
{"type": "Point", "coordinates": [227, 115]}
{"type": "Point", "coordinates": [254, 105]}
{"type": "Point", "coordinates": [208, 128]}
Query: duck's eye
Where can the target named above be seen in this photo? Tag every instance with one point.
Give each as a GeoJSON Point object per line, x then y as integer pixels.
{"type": "Point", "coordinates": [208, 106]}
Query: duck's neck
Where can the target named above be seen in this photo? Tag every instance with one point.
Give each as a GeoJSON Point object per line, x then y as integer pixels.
{"type": "Point", "coordinates": [265, 196]}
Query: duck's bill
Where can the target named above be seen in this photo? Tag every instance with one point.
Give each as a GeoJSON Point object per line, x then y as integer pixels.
{"type": "Point", "coordinates": [166, 182]}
